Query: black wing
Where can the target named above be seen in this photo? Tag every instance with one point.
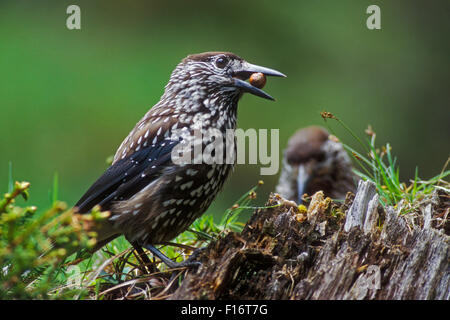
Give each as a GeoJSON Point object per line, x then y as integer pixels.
{"type": "Point", "coordinates": [127, 176]}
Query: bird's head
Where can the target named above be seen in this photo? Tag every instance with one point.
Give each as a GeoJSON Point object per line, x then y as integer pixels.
{"type": "Point", "coordinates": [317, 162]}
{"type": "Point", "coordinates": [217, 73]}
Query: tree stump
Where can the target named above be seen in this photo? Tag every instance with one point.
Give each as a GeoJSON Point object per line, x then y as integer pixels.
{"type": "Point", "coordinates": [354, 250]}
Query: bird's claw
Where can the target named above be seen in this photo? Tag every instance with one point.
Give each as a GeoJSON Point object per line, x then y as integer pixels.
{"type": "Point", "coordinates": [188, 263]}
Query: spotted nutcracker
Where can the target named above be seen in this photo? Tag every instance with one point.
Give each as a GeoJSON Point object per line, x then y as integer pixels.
{"type": "Point", "coordinates": [314, 161]}
{"type": "Point", "coordinates": [151, 198]}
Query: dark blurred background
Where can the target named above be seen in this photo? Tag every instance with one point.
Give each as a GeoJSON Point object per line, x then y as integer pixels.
{"type": "Point", "coordinates": [68, 98]}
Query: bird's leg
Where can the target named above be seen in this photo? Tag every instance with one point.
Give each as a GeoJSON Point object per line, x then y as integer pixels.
{"type": "Point", "coordinates": [170, 263]}
{"type": "Point", "coordinates": [149, 266]}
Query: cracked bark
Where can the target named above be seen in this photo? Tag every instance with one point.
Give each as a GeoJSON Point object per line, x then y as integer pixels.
{"type": "Point", "coordinates": [332, 251]}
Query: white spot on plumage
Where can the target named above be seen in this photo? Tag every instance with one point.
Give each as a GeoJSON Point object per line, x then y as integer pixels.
{"type": "Point", "coordinates": [114, 217]}
{"type": "Point", "coordinates": [196, 191]}
{"type": "Point", "coordinates": [191, 172]}
{"type": "Point", "coordinates": [210, 173]}
{"type": "Point", "coordinates": [187, 185]}
{"type": "Point", "coordinates": [163, 214]}
{"type": "Point", "coordinates": [140, 234]}
{"type": "Point", "coordinates": [168, 202]}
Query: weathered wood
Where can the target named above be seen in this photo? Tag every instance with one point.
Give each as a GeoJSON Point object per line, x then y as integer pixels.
{"type": "Point", "coordinates": [283, 253]}
{"type": "Point", "coordinates": [356, 215]}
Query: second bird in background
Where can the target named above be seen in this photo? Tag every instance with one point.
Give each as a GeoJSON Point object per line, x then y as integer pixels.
{"type": "Point", "coordinates": [313, 162]}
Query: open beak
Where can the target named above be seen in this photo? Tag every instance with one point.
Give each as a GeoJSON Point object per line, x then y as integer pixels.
{"type": "Point", "coordinates": [247, 70]}
{"type": "Point", "coordinates": [302, 182]}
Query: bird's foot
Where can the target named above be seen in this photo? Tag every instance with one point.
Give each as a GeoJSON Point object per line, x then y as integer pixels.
{"type": "Point", "coordinates": [189, 263]}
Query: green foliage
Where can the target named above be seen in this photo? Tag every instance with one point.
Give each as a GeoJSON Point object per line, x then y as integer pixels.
{"type": "Point", "coordinates": [33, 245]}
{"type": "Point", "coordinates": [117, 266]}
{"type": "Point", "coordinates": [380, 166]}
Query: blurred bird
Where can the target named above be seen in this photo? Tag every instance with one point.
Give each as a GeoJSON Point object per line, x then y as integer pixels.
{"type": "Point", "coordinates": [313, 162]}
{"type": "Point", "coordinates": [151, 198]}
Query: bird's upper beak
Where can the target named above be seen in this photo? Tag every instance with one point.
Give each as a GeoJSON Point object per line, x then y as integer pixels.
{"type": "Point", "coordinates": [246, 71]}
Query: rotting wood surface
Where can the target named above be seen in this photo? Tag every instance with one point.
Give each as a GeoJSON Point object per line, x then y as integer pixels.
{"type": "Point", "coordinates": [330, 251]}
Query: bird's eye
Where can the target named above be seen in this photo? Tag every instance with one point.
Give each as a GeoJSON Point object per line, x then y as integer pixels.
{"type": "Point", "coordinates": [221, 62]}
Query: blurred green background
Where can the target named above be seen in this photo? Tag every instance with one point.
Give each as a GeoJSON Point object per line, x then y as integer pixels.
{"type": "Point", "coordinates": [68, 98]}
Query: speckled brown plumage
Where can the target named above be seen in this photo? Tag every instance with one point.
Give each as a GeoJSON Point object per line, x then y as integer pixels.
{"type": "Point", "coordinates": [151, 198]}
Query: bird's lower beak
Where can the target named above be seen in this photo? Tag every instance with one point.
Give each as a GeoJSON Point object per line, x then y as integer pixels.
{"type": "Point", "coordinates": [247, 70]}
{"type": "Point", "coordinates": [302, 182]}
